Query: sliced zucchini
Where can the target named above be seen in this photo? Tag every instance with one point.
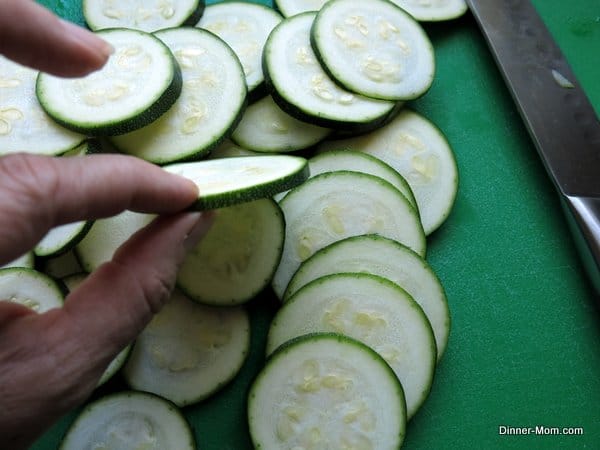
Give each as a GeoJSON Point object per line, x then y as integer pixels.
{"type": "Point", "coordinates": [245, 27]}
{"type": "Point", "coordinates": [211, 104]}
{"type": "Point", "coordinates": [360, 162]}
{"type": "Point", "coordinates": [24, 126]}
{"type": "Point", "coordinates": [73, 281]}
{"type": "Point", "coordinates": [138, 84]}
{"type": "Point", "coordinates": [298, 84]}
{"type": "Point", "coordinates": [265, 127]}
{"type": "Point", "coordinates": [238, 257]}
{"type": "Point", "coordinates": [375, 49]}
{"type": "Point", "coordinates": [372, 310]}
{"type": "Point", "coordinates": [62, 238]}
{"type": "Point", "coordinates": [229, 181]}
{"type": "Point", "coordinates": [336, 205]}
{"type": "Point", "coordinates": [146, 15]}
{"type": "Point", "coordinates": [129, 420]}
{"type": "Point", "coordinates": [30, 288]}
{"type": "Point", "coordinates": [326, 391]}
{"type": "Point", "coordinates": [418, 150]}
{"type": "Point", "coordinates": [26, 260]}
{"type": "Point", "coordinates": [189, 351]}
{"type": "Point", "coordinates": [388, 259]}
{"type": "Point", "coordinates": [229, 149]}
{"type": "Point", "coordinates": [433, 10]}
{"type": "Point", "coordinates": [106, 235]}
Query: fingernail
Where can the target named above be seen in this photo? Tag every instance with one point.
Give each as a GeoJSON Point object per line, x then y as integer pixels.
{"type": "Point", "coordinates": [88, 39]}
{"type": "Point", "coordinates": [199, 230]}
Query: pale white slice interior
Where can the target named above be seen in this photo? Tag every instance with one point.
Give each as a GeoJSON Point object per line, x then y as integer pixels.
{"type": "Point", "coordinates": [388, 259]}
{"type": "Point", "coordinates": [417, 149]}
{"type": "Point", "coordinates": [326, 393]}
{"type": "Point", "coordinates": [374, 48]}
{"type": "Point", "coordinates": [237, 257]}
{"type": "Point", "coordinates": [30, 288]}
{"type": "Point", "coordinates": [107, 235]}
{"type": "Point", "coordinates": [145, 15]}
{"type": "Point", "coordinates": [245, 27]}
{"type": "Point", "coordinates": [189, 350]}
{"type": "Point", "coordinates": [26, 260]}
{"type": "Point", "coordinates": [292, 7]}
{"type": "Point", "coordinates": [266, 128]}
{"type": "Point", "coordinates": [212, 96]}
{"type": "Point", "coordinates": [134, 77]}
{"type": "Point", "coordinates": [129, 420]}
{"type": "Point", "coordinates": [24, 126]}
{"type": "Point", "coordinates": [336, 205]}
{"type": "Point", "coordinates": [218, 176]}
{"type": "Point", "coordinates": [433, 10]}
{"type": "Point", "coordinates": [298, 77]}
{"type": "Point", "coordinates": [372, 310]}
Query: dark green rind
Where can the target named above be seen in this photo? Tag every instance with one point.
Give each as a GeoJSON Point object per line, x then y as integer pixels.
{"type": "Point", "coordinates": [335, 77]}
{"type": "Point", "coordinates": [292, 344]}
{"type": "Point", "coordinates": [250, 295]}
{"type": "Point", "coordinates": [252, 193]}
{"type": "Point", "coordinates": [171, 406]}
{"type": "Point", "coordinates": [140, 118]}
{"type": "Point", "coordinates": [307, 116]}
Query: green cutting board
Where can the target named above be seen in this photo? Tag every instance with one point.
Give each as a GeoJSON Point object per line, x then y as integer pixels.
{"type": "Point", "coordinates": [524, 348]}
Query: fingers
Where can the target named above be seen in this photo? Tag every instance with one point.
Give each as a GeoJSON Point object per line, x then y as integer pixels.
{"type": "Point", "coordinates": [33, 36]}
{"type": "Point", "coordinates": [112, 306]}
{"type": "Point", "coordinates": [38, 193]}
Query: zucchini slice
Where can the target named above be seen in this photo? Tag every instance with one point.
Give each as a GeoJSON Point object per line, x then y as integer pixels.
{"type": "Point", "coordinates": [229, 149]}
{"type": "Point", "coordinates": [61, 266]}
{"type": "Point", "coordinates": [26, 260]}
{"type": "Point", "coordinates": [238, 257]}
{"type": "Point", "coordinates": [326, 391]}
{"type": "Point", "coordinates": [24, 126]}
{"type": "Point", "coordinates": [299, 85]}
{"type": "Point", "coordinates": [130, 420]}
{"type": "Point", "coordinates": [229, 181]}
{"type": "Point", "coordinates": [106, 235]}
{"type": "Point", "coordinates": [210, 106]}
{"type": "Point", "coordinates": [30, 288]}
{"type": "Point", "coordinates": [418, 150]}
{"type": "Point", "coordinates": [189, 351]}
{"type": "Point", "coordinates": [62, 238]}
{"type": "Point", "coordinates": [144, 15]}
{"type": "Point", "coordinates": [336, 205]}
{"type": "Point", "coordinates": [372, 310]}
{"type": "Point", "coordinates": [245, 27]}
{"type": "Point", "coordinates": [265, 127]}
{"type": "Point", "coordinates": [388, 259]}
{"type": "Point", "coordinates": [138, 84]}
{"type": "Point", "coordinates": [433, 10]}
{"type": "Point", "coordinates": [375, 49]}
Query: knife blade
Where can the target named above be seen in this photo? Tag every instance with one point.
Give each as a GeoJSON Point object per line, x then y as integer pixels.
{"type": "Point", "coordinates": [557, 114]}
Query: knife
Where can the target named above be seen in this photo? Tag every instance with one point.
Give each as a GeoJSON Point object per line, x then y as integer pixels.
{"type": "Point", "coordinates": [559, 117]}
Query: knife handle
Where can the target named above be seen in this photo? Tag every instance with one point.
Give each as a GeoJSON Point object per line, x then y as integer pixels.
{"type": "Point", "coordinates": [585, 225]}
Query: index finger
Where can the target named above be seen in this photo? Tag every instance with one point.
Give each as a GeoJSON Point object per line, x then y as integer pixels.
{"type": "Point", "coordinates": [39, 192]}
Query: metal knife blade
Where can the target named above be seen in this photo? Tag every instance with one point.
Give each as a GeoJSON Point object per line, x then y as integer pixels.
{"type": "Point", "coordinates": [559, 117]}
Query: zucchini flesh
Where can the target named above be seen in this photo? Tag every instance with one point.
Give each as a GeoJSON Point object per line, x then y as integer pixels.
{"type": "Point", "coordinates": [30, 288]}
{"type": "Point", "coordinates": [139, 83]}
{"type": "Point", "coordinates": [375, 49]}
{"type": "Point", "coordinates": [238, 256]}
{"type": "Point", "coordinates": [372, 310]}
{"type": "Point", "coordinates": [189, 351]}
{"type": "Point", "coordinates": [326, 391]}
{"type": "Point", "coordinates": [24, 126]}
{"type": "Point", "coordinates": [211, 103]}
{"type": "Point", "coordinates": [336, 205]}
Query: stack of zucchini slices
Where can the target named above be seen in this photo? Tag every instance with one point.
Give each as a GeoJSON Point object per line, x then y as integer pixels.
{"type": "Point", "coordinates": [219, 94]}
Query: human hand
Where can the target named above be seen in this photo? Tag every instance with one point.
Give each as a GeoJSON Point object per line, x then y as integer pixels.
{"type": "Point", "coordinates": [51, 362]}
